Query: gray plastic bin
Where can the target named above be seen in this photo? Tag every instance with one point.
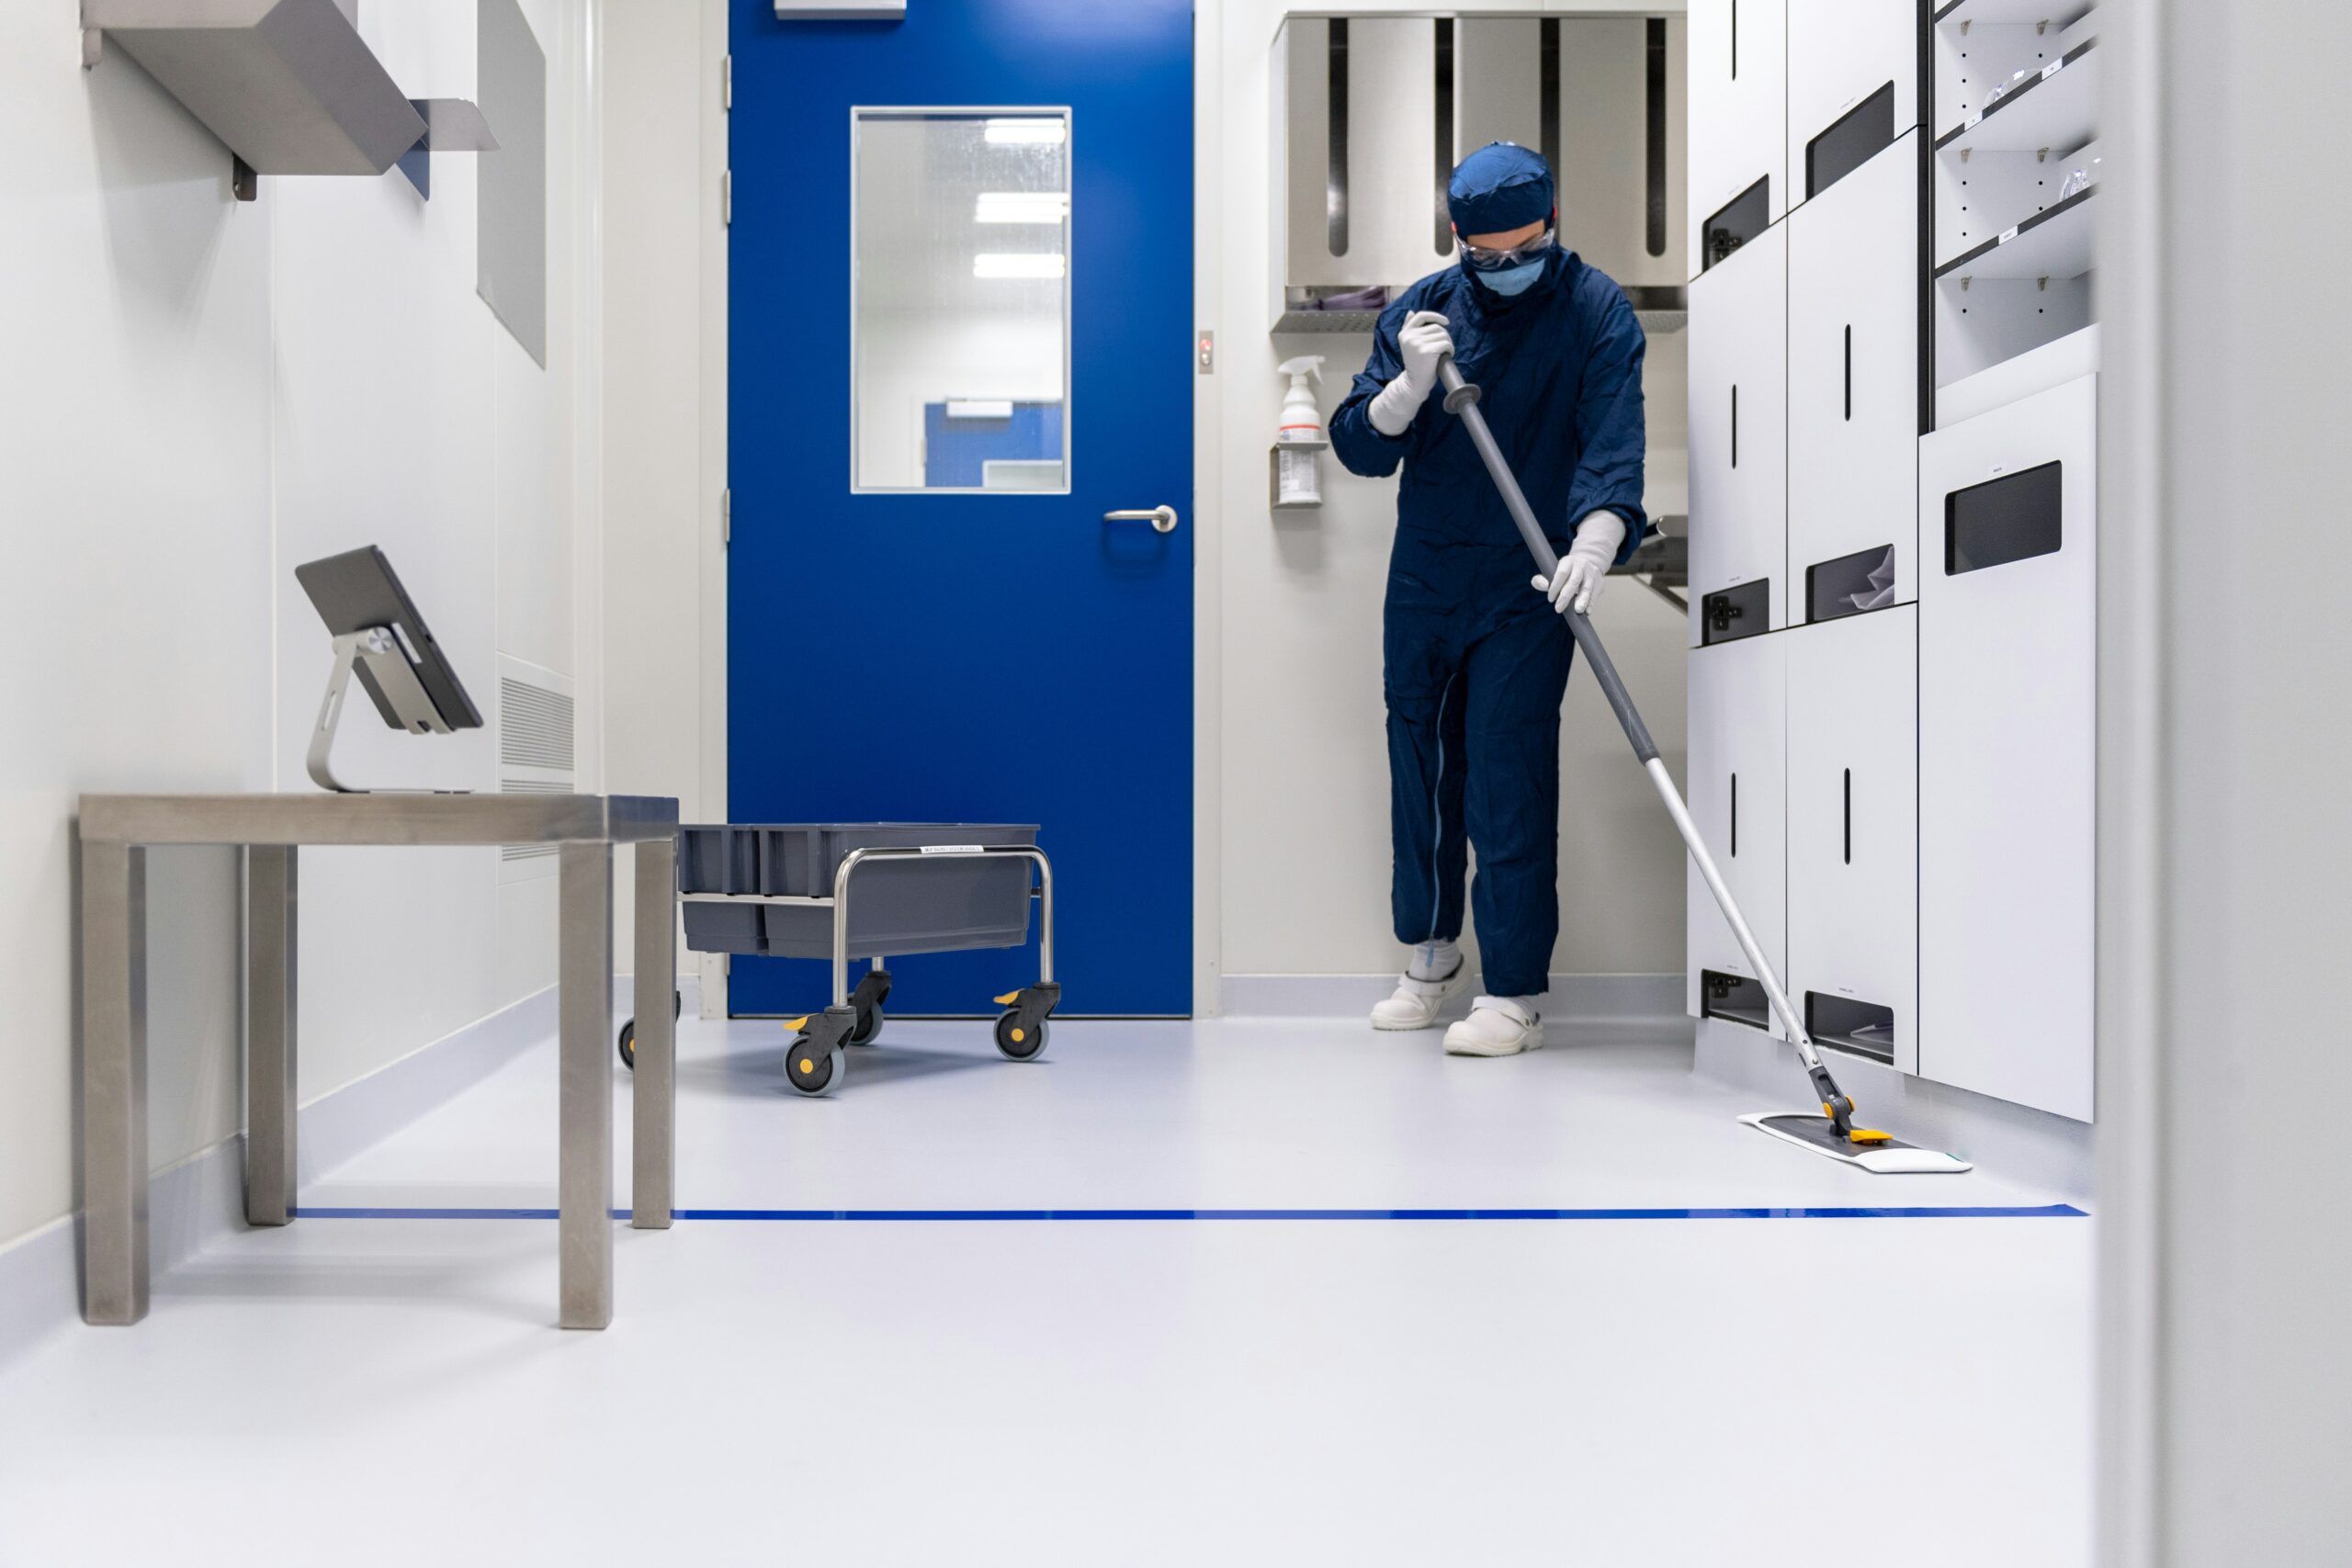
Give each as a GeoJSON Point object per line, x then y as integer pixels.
{"type": "Point", "coordinates": [941, 904]}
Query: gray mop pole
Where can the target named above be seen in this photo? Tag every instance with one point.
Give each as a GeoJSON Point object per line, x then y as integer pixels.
{"type": "Point", "coordinates": [1461, 401]}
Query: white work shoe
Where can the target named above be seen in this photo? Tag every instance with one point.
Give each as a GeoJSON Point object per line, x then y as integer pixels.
{"type": "Point", "coordinates": [1497, 1026]}
{"type": "Point", "coordinates": [1415, 1003]}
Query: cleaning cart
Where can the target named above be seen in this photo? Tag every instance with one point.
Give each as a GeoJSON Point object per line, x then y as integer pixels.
{"type": "Point", "coordinates": [838, 889]}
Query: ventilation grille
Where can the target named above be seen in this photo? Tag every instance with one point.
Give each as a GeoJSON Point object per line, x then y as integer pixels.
{"type": "Point", "coordinates": [535, 747]}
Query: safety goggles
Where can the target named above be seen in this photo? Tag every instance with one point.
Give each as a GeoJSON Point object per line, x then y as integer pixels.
{"type": "Point", "coordinates": [1477, 258]}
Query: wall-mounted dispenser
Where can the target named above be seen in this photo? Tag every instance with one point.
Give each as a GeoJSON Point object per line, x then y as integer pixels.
{"type": "Point", "coordinates": [1296, 456]}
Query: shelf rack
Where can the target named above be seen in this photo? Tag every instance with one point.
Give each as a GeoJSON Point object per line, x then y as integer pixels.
{"type": "Point", "coordinates": [2055, 244]}
{"type": "Point", "coordinates": [2057, 110]}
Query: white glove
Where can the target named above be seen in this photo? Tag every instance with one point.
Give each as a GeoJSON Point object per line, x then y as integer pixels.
{"type": "Point", "coordinates": [1585, 568]}
{"type": "Point", "coordinates": [1423, 342]}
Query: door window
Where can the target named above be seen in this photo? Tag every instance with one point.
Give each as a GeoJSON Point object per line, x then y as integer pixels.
{"type": "Point", "coordinates": [960, 301]}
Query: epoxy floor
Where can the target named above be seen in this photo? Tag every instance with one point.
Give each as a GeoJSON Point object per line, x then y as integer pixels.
{"type": "Point", "coordinates": [1347, 1391]}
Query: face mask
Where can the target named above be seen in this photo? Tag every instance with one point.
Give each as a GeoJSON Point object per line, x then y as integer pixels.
{"type": "Point", "coordinates": [1508, 281]}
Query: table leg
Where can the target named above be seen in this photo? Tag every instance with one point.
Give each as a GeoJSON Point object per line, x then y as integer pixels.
{"type": "Point", "coordinates": [270, 873]}
{"type": "Point", "coordinates": [653, 1082]}
{"type": "Point", "coordinates": [114, 1082]}
{"type": "Point", "coordinates": [584, 1004]}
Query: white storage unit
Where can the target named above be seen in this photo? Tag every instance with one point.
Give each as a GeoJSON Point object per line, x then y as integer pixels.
{"type": "Point", "coordinates": [1737, 796]}
{"type": "Point", "coordinates": [1855, 392]}
{"type": "Point", "coordinates": [1739, 442]}
{"type": "Point", "coordinates": [1854, 69]}
{"type": "Point", "coordinates": [1738, 75]}
{"type": "Point", "coordinates": [1853, 803]}
{"type": "Point", "coordinates": [2007, 749]}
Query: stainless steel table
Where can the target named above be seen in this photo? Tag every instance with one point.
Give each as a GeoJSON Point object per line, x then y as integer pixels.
{"type": "Point", "coordinates": [116, 831]}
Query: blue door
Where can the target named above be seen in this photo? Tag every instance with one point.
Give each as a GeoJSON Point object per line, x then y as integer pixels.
{"type": "Point", "coordinates": [961, 281]}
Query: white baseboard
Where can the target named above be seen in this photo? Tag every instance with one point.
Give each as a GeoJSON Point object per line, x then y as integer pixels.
{"type": "Point", "coordinates": [198, 1202]}
{"type": "Point", "coordinates": [1598, 996]}
{"type": "Point", "coordinates": [2032, 1147]}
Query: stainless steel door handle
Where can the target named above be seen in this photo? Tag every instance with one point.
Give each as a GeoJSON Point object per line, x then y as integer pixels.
{"type": "Point", "coordinates": [1161, 518]}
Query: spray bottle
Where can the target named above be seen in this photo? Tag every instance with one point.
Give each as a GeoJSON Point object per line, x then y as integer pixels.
{"type": "Point", "coordinates": [1298, 478]}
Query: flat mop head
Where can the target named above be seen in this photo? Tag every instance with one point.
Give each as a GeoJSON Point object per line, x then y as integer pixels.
{"type": "Point", "coordinates": [1882, 1155]}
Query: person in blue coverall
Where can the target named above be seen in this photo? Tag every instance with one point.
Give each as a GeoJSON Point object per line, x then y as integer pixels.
{"type": "Point", "coordinates": [1475, 664]}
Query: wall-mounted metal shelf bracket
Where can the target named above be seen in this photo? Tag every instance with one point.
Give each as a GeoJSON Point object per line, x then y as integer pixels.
{"type": "Point", "coordinates": [287, 86]}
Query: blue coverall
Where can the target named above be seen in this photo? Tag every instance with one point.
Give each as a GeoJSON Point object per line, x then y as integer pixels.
{"type": "Point", "coordinates": [1476, 662]}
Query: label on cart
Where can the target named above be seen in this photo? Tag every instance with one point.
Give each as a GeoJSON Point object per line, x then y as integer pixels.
{"type": "Point", "coordinates": [955, 849]}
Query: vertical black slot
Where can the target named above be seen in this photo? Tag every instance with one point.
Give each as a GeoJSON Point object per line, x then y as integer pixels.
{"type": "Point", "coordinates": [1654, 98]}
{"type": "Point", "coordinates": [2013, 518]}
{"type": "Point", "coordinates": [1441, 234]}
{"type": "Point", "coordinates": [1737, 221]}
{"type": "Point", "coordinates": [1849, 816]}
{"type": "Point", "coordinates": [1850, 372]}
{"type": "Point", "coordinates": [1547, 95]}
{"type": "Point", "coordinates": [1734, 40]}
{"type": "Point", "coordinates": [1734, 425]}
{"type": "Point", "coordinates": [1735, 817]}
{"type": "Point", "coordinates": [1335, 177]}
{"type": "Point", "coordinates": [1858, 135]}
{"type": "Point", "coordinates": [1729, 614]}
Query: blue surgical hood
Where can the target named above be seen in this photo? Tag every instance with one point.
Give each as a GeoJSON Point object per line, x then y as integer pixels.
{"type": "Point", "coordinates": [1500, 187]}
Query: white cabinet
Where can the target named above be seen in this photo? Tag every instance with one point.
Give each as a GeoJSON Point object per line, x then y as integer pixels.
{"type": "Point", "coordinates": [1854, 384]}
{"type": "Point", "coordinates": [1853, 86]}
{"type": "Point", "coordinates": [2009, 503]}
{"type": "Point", "coordinates": [1737, 783]}
{"type": "Point", "coordinates": [1853, 832]}
{"type": "Point", "coordinates": [1737, 70]}
{"type": "Point", "coordinates": [1739, 435]}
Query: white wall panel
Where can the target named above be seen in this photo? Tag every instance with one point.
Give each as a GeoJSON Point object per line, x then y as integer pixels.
{"type": "Point", "coordinates": [1854, 390]}
{"type": "Point", "coordinates": [1738, 797]}
{"type": "Point", "coordinates": [1739, 349]}
{"type": "Point", "coordinates": [1840, 53]}
{"type": "Point", "coordinates": [2006, 752]}
{"type": "Point", "coordinates": [1739, 94]}
{"type": "Point", "coordinates": [1853, 818]}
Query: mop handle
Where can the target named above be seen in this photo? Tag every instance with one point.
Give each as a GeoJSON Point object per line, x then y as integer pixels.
{"type": "Point", "coordinates": [1461, 401]}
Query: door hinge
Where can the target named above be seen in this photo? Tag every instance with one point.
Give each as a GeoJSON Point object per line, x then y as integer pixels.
{"type": "Point", "coordinates": [727, 198]}
{"type": "Point", "coordinates": [727, 81]}
{"type": "Point", "coordinates": [727, 516]}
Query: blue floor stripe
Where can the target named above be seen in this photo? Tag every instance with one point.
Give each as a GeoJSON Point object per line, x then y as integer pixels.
{"type": "Point", "coordinates": [999, 1216]}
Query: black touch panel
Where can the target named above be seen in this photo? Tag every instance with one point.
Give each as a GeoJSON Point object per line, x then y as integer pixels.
{"type": "Point", "coordinates": [1735, 613]}
{"type": "Point", "coordinates": [2013, 518]}
{"type": "Point", "coordinates": [1849, 584]}
{"type": "Point", "coordinates": [1737, 221]}
{"type": "Point", "coordinates": [1860, 135]}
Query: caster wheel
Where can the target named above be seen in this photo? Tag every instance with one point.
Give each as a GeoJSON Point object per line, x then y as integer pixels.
{"type": "Point", "coordinates": [1021, 1045]}
{"type": "Point", "coordinates": [811, 1072]}
{"type": "Point", "coordinates": [629, 1045]}
{"type": "Point", "coordinates": [869, 1024]}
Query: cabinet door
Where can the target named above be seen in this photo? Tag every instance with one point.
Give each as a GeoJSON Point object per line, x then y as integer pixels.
{"type": "Point", "coordinates": [1737, 70]}
{"type": "Point", "coordinates": [1853, 832]}
{"type": "Point", "coordinates": [1737, 783]}
{"type": "Point", "coordinates": [2007, 752]}
{"type": "Point", "coordinates": [1854, 392]}
{"type": "Point", "coordinates": [1740, 520]}
{"type": "Point", "coordinates": [1853, 86]}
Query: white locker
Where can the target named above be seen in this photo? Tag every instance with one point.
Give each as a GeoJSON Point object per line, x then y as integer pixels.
{"type": "Point", "coordinates": [1854, 832]}
{"type": "Point", "coordinates": [1738, 778]}
{"type": "Point", "coordinates": [2009, 503]}
{"type": "Point", "coordinates": [1854, 392]}
{"type": "Point", "coordinates": [1736, 70]}
{"type": "Point", "coordinates": [1738, 391]}
{"type": "Point", "coordinates": [1853, 86]}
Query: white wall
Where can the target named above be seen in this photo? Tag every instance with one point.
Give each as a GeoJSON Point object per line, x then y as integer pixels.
{"type": "Point", "coordinates": [202, 394]}
{"type": "Point", "coordinates": [2226, 1420]}
{"type": "Point", "coordinates": [1301, 776]}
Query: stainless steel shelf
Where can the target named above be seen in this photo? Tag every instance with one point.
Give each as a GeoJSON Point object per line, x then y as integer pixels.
{"type": "Point", "coordinates": [1660, 308]}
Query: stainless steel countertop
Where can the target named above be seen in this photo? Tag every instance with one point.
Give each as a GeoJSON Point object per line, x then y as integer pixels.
{"type": "Point", "coordinates": [320, 819]}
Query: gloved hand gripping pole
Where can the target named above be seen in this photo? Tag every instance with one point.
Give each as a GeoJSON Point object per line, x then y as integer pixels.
{"type": "Point", "coordinates": [1461, 401]}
